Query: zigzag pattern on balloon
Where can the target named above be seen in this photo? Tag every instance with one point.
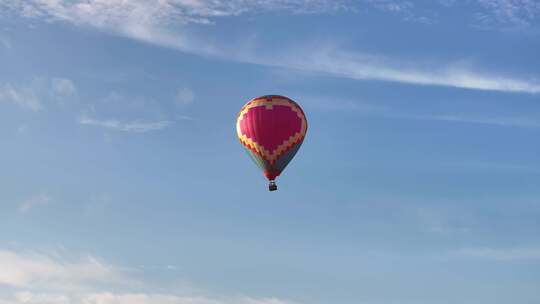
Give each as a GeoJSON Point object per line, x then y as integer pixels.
{"type": "Point", "coordinates": [269, 102]}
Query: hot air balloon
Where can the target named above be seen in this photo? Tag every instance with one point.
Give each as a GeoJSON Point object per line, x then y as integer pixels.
{"type": "Point", "coordinates": [271, 128]}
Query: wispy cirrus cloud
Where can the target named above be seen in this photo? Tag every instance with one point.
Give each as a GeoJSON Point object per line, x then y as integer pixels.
{"type": "Point", "coordinates": [184, 96]}
{"type": "Point", "coordinates": [406, 10]}
{"type": "Point", "coordinates": [24, 97]}
{"type": "Point", "coordinates": [440, 220]}
{"type": "Point", "coordinates": [501, 254]}
{"type": "Point", "coordinates": [33, 96]}
{"type": "Point", "coordinates": [508, 12]}
{"type": "Point", "coordinates": [392, 5]}
{"type": "Point", "coordinates": [519, 122]}
{"type": "Point", "coordinates": [107, 297]}
{"type": "Point", "coordinates": [163, 23]}
{"type": "Point", "coordinates": [482, 165]}
{"type": "Point", "coordinates": [32, 269]}
{"type": "Point", "coordinates": [41, 278]}
{"type": "Point", "coordinates": [333, 61]}
{"type": "Point", "coordinates": [136, 114]}
{"type": "Point", "coordinates": [63, 87]}
{"type": "Point", "coordinates": [487, 13]}
{"type": "Point", "coordinates": [126, 126]}
{"type": "Point", "coordinates": [34, 201]}
{"type": "Point", "coordinates": [117, 12]}
{"type": "Point", "coordinates": [384, 111]}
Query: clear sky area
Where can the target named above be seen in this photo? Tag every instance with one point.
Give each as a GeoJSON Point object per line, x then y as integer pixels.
{"type": "Point", "coordinates": [122, 180]}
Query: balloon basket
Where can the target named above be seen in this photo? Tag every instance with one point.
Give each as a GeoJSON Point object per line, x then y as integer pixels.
{"type": "Point", "coordinates": [272, 186]}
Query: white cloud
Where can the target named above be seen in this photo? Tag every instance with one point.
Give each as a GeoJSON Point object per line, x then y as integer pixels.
{"type": "Point", "coordinates": [29, 297]}
{"type": "Point", "coordinates": [37, 200]}
{"type": "Point", "coordinates": [103, 14]}
{"type": "Point", "coordinates": [502, 254]}
{"type": "Point", "coordinates": [134, 114]}
{"type": "Point", "coordinates": [441, 221]}
{"type": "Point", "coordinates": [508, 12]}
{"type": "Point", "coordinates": [36, 278]}
{"type": "Point", "coordinates": [24, 97]}
{"type": "Point", "coordinates": [160, 23]}
{"type": "Point", "coordinates": [392, 5]}
{"type": "Point", "coordinates": [332, 61]}
{"type": "Point", "coordinates": [520, 122]}
{"type": "Point", "coordinates": [407, 10]}
{"type": "Point", "coordinates": [33, 95]}
{"type": "Point", "coordinates": [379, 110]}
{"type": "Point", "coordinates": [495, 166]}
{"type": "Point", "coordinates": [63, 87]}
{"type": "Point", "coordinates": [24, 270]}
{"type": "Point", "coordinates": [184, 96]}
{"type": "Point", "coordinates": [487, 13]}
{"type": "Point", "coordinates": [132, 298]}
{"type": "Point", "coordinates": [133, 126]}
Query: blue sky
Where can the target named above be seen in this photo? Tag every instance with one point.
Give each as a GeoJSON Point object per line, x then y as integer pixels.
{"type": "Point", "coordinates": [123, 181]}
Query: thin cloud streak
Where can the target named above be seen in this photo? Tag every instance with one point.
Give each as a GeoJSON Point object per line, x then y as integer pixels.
{"type": "Point", "coordinates": [519, 122]}
{"type": "Point", "coordinates": [497, 166]}
{"type": "Point", "coordinates": [508, 12]}
{"type": "Point", "coordinates": [26, 98]}
{"type": "Point", "coordinates": [378, 110]}
{"type": "Point", "coordinates": [37, 200]}
{"type": "Point", "coordinates": [360, 66]}
{"type": "Point", "coordinates": [184, 96]}
{"type": "Point", "coordinates": [132, 127]}
{"type": "Point", "coordinates": [497, 254]}
{"type": "Point", "coordinates": [39, 91]}
{"type": "Point", "coordinates": [152, 24]}
{"type": "Point", "coordinates": [63, 87]}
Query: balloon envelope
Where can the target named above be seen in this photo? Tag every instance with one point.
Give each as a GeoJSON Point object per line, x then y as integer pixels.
{"type": "Point", "coordinates": [271, 128]}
